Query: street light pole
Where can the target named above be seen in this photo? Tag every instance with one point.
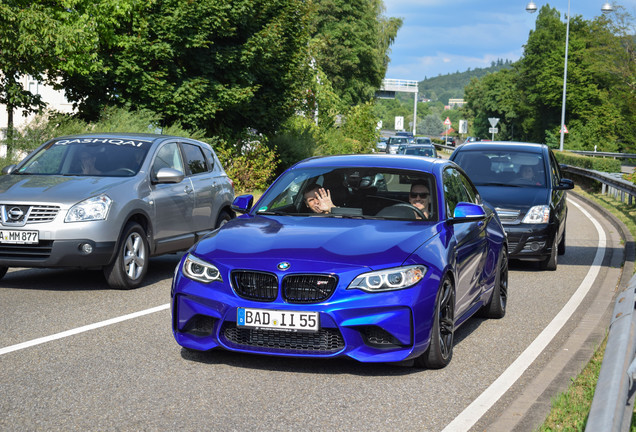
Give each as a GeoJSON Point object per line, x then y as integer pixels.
{"type": "Point", "coordinates": [565, 78]}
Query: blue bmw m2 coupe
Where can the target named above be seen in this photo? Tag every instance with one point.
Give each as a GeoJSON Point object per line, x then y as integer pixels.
{"type": "Point", "coordinates": [375, 257]}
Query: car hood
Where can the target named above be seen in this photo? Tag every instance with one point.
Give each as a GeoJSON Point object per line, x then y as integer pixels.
{"type": "Point", "coordinates": [345, 242]}
{"type": "Point", "coordinates": [514, 197]}
{"type": "Point", "coordinates": [54, 188]}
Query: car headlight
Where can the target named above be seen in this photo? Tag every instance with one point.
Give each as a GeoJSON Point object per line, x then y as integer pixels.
{"type": "Point", "coordinates": [199, 270]}
{"type": "Point", "coordinates": [91, 209]}
{"type": "Point", "coordinates": [389, 279]}
{"type": "Point", "coordinates": [537, 215]}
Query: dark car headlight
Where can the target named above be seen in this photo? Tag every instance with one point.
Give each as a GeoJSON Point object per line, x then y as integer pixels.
{"type": "Point", "coordinates": [199, 270]}
{"type": "Point", "coordinates": [389, 279]}
{"type": "Point", "coordinates": [537, 215]}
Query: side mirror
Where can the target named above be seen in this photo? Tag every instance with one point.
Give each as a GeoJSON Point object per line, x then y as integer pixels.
{"type": "Point", "coordinates": [565, 184]}
{"type": "Point", "coordinates": [243, 203]}
{"type": "Point", "coordinates": [467, 212]}
{"type": "Point", "coordinates": [8, 169]}
{"type": "Point", "coordinates": [169, 175]}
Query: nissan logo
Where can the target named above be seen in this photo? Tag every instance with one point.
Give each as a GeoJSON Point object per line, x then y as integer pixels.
{"type": "Point", "coordinates": [15, 213]}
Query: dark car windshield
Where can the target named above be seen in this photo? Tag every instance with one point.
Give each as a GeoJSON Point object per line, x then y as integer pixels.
{"type": "Point", "coordinates": [509, 167]}
{"type": "Point", "coordinates": [103, 157]}
{"type": "Point", "coordinates": [420, 151]}
{"type": "Point", "coordinates": [375, 193]}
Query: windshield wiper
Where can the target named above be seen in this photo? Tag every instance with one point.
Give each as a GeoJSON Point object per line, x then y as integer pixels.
{"type": "Point", "coordinates": [271, 213]}
{"type": "Point", "coordinates": [497, 184]}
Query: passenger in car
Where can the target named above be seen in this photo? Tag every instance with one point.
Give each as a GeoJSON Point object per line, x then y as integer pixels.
{"type": "Point", "coordinates": [318, 199]}
{"type": "Point", "coordinates": [420, 198]}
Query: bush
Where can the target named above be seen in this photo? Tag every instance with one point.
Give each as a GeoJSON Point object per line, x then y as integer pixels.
{"type": "Point", "coordinates": [251, 164]}
{"type": "Point", "coordinates": [588, 162]}
{"type": "Point", "coordinates": [296, 141]}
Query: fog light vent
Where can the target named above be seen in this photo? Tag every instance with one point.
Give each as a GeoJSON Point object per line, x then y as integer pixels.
{"type": "Point", "coordinates": [377, 337]}
{"type": "Point", "coordinates": [199, 325]}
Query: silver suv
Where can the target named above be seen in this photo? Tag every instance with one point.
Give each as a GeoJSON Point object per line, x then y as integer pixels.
{"type": "Point", "coordinates": [110, 201]}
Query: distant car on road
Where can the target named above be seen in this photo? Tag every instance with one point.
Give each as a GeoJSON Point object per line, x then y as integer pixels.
{"type": "Point", "coordinates": [422, 140]}
{"type": "Point", "coordinates": [394, 143]}
{"type": "Point", "coordinates": [523, 182]}
{"type": "Point", "coordinates": [375, 279]}
{"type": "Point", "coordinates": [110, 201]}
{"type": "Point", "coordinates": [381, 144]}
{"type": "Point", "coordinates": [419, 150]}
{"type": "Point", "coordinates": [471, 139]}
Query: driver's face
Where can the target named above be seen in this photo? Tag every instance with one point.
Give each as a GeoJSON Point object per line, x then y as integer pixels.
{"type": "Point", "coordinates": [419, 197]}
{"type": "Point", "coordinates": [312, 201]}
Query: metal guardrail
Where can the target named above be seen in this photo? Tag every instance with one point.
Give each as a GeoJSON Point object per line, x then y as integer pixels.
{"type": "Point", "coordinates": [612, 184]}
{"type": "Point", "coordinates": [605, 154]}
{"type": "Point", "coordinates": [613, 403]}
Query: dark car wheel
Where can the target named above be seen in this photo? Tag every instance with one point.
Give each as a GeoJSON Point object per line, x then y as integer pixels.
{"type": "Point", "coordinates": [551, 262]}
{"type": "Point", "coordinates": [131, 263]}
{"type": "Point", "coordinates": [496, 307]}
{"type": "Point", "coordinates": [562, 244]}
{"type": "Point", "coordinates": [440, 350]}
{"type": "Point", "coordinates": [224, 217]}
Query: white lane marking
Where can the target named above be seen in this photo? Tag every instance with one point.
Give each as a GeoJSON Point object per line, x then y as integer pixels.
{"type": "Point", "coordinates": [83, 329]}
{"type": "Point", "coordinates": [473, 412]}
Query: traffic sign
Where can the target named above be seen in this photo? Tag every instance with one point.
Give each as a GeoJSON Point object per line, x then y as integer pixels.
{"type": "Point", "coordinates": [493, 130]}
{"type": "Point", "coordinates": [493, 121]}
{"type": "Point", "coordinates": [447, 122]}
{"type": "Point", "coordinates": [565, 129]}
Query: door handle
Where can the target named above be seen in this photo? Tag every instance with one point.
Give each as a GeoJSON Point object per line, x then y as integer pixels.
{"type": "Point", "coordinates": [187, 189]}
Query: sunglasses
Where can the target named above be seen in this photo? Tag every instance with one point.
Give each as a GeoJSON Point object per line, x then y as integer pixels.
{"type": "Point", "coordinates": [421, 195]}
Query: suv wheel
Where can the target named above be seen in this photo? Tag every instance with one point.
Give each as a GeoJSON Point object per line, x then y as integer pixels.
{"type": "Point", "coordinates": [131, 262]}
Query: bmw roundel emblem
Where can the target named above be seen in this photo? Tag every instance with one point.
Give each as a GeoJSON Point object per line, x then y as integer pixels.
{"type": "Point", "coordinates": [284, 265]}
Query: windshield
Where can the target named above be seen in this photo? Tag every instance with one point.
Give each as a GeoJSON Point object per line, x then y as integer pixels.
{"type": "Point", "coordinates": [420, 151]}
{"type": "Point", "coordinates": [91, 156]}
{"type": "Point", "coordinates": [513, 168]}
{"type": "Point", "coordinates": [374, 193]}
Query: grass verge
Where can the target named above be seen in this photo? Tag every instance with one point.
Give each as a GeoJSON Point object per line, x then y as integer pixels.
{"type": "Point", "coordinates": [571, 408]}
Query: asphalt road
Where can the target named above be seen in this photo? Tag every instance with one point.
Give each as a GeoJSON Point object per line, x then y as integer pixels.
{"type": "Point", "coordinates": [132, 376]}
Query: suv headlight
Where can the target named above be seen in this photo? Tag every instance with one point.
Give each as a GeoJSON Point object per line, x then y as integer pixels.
{"type": "Point", "coordinates": [389, 279]}
{"type": "Point", "coordinates": [537, 215]}
{"type": "Point", "coordinates": [199, 270]}
{"type": "Point", "coordinates": [91, 209]}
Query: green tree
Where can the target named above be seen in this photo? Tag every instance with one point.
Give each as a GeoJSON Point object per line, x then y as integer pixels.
{"type": "Point", "coordinates": [41, 39]}
{"type": "Point", "coordinates": [350, 43]}
{"type": "Point", "coordinates": [216, 65]}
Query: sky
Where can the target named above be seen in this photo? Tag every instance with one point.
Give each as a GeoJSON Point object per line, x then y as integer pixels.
{"type": "Point", "coordinates": [438, 37]}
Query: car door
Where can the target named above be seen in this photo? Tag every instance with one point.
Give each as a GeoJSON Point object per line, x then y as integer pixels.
{"type": "Point", "coordinates": [205, 186]}
{"type": "Point", "coordinates": [173, 202]}
{"type": "Point", "coordinates": [558, 197]}
{"type": "Point", "coordinates": [470, 240]}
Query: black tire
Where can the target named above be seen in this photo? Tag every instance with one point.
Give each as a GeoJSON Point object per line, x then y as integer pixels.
{"type": "Point", "coordinates": [3, 271]}
{"type": "Point", "coordinates": [131, 262]}
{"type": "Point", "coordinates": [551, 262]}
{"type": "Point", "coordinates": [224, 217]}
{"type": "Point", "coordinates": [562, 244]}
{"type": "Point", "coordinates": [496, 307]}
{"type": "Point", "coordinates": [440, 350]}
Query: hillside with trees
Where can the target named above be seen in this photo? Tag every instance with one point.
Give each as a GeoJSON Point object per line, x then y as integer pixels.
{"type": "Point", "coordinates": [451, 86]}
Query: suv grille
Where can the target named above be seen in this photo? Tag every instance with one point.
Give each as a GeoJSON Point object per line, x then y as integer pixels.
{"type": "Point", "coordinates": [43, 214]}
{"type": "Point", "coordinates": [326, 341]}
{"type": "Point", "coordinates": [308, 288]}
{"type": "Point", "coordinates": [20, 215]}
{"type": "Point", "coordinates": [507, 216]}
{"type": "Point", "coordinates": [257, 286]}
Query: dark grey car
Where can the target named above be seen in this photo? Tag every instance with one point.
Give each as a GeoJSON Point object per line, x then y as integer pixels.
{"type": "Point", "coordinates": [110, 201]}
